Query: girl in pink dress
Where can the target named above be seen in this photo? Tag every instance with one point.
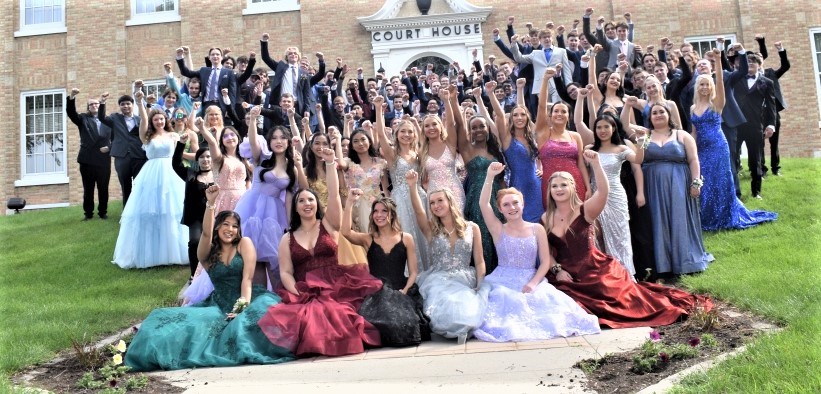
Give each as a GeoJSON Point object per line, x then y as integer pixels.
{"type": "Point", "coordinates": [438, 158]}
{"type": "Point", "coordinates": [232, 172]}
{"type": "Point", "coordinates": [559, 148]}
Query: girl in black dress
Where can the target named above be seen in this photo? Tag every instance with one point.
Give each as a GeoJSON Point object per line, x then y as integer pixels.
{"type": "Point", "coordinates": [396, 310]}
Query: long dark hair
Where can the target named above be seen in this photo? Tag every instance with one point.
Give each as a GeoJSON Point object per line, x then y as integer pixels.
{"type": "Point", "coordinates": [269, 164]}
{"type": "Point", "coordinates": [670, 123]}
{"type": "Point", "coordinates": [492, 144]}
{"type": "Point", "coordinates": [310, 157]}
{"type": "Point", "coordinates": [215, 253]}
{"type": "Point", "coordinates": [352, 153]}
{"type": "Point", "coordinates": [529, 135]}
{"type": "Point", "coordinates": [615, 138]}
{"type": "Point", "coordinates": [296, 221]}
{"type": "Point", "coordinates": [224, 151]}
{"type": "Point", "coordinates": [151, 130]}
{"type": "Point", "coordinates": [619, 90]}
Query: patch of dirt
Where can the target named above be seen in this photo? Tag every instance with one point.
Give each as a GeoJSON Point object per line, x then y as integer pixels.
{"type": "Point", "coordinates": [61, 376]}
{"type": "Point", "coordinates": [734, 328]}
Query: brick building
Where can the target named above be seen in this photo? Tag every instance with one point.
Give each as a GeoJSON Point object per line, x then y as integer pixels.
{"type": "Point", "coordinates": [51, 46]}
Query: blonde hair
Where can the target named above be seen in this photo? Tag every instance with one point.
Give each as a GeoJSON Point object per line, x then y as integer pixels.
{"type": "Point", "coordinates": [397, 148]}
{"type": "Point", "coordinates": [436, 223]}
{"type": "Point", "coordinates": [423, 154]}
{"type": "Point", "coordinates": [212, 109]}
{"type": "Point", "coordinates": [575, 201]}
{"type": "Point", "coordinates": [696, 96]}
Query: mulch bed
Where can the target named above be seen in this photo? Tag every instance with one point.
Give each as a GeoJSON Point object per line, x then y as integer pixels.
{"type": "Point", "coordinates": [61, 377]}
{"type": "Point", "coordinates": [612, 373]}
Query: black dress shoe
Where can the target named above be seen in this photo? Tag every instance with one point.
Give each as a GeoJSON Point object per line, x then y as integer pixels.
{"type": "Point", "coordinates": [777, 173]}
{"type": "Point", "coordinates": [104, 216]}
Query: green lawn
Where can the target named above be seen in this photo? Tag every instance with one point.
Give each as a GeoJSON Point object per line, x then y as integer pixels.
{"type": "Point", "coordinates": [57, 284]}
{"type": "Point", "coordinates": [772, 270]}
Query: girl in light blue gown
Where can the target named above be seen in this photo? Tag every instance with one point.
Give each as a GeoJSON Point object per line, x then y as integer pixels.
{"type": "Point", "coordinates": [455, 297]}
{"type": "Point", "coordinates": [522, 306]}
{"type": "Point", "coordinates": [150, 229]}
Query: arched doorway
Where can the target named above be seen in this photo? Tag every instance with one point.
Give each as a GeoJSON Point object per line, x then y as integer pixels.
{"type": "Point", "coordinates": [440, 65]}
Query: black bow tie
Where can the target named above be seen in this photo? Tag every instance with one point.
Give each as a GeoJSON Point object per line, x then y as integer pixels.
{"type": "Point", "coordinates": [751, 77]}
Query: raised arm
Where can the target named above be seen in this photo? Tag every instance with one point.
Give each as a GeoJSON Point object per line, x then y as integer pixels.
{"type": "Point", "coordinates": [213, 146]}
{"type": "Point", "coordinates": [204, 247]}
{"type": "Point", "coordinates": [478, 255]}
{"type": "Point", "coordinates": [542, 119]}
{"type": "Point", "coordinates": [785, 62]}
{"type": "Point", "coordinates": [387, 152]}
{"type": "Point", "coordinates": [595, 204]}
{"type": "Point", "coordinates": [333, 212]}
{"type": "Point", "coordinates": [71, 109]}
{"type": "Point", "coordinates": [517, 54]}
{"type": "Point", "coordinates": [580, 164]}
{"type": "Point", "coordinates": [499, 128]}
{"type": "Point", "coordinates": [143, 116]}
{"type": "Point", "coordinates": [183, 68]}
{"type": "Point", "coordinates": [253, 135]}
{"type": "Point", "coordinates": [578, 116]}
{"type": "Point", "coordinates": [416, 201]}
{"type": "Point", "coordinates": [592, 78]}
{"type": "Point", "coordinates": [263, 51]}
{"type": "Point", "coordinates": [494, 225]}
{"type": "Point", "coordinates": [361, 239]}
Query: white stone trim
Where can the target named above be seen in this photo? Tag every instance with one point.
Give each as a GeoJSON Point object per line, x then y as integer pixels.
{"type": "Point", "coordinates": [36, 29]}
{"type": "Point", "coordinates": [816, 68]}
{"type": "Point", "coordinates": [150, 18]}
{"type": "Point", "coordinates": [50, 178]}
{"type": "Point", "coordinates": [270, 7]}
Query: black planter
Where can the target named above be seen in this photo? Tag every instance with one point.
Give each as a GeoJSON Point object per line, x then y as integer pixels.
{"type": "Point", "coordinates": [424, 6]}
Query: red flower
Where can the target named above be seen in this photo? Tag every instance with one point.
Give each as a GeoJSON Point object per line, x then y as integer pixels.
{"type": "Point", "coordinates": [694, 341]}
{"type": "Point", "coordinates": [112, 382]}
{"type": "Point", "coordinates": [655, 336]}
{"type": "Point", "coordinates": [664, 357]}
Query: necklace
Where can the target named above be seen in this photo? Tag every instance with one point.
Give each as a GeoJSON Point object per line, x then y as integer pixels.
{"type": "Point", "coordinates": [449, 232]}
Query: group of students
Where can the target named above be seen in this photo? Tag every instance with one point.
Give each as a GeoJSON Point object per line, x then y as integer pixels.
{"type": "Point", "coordinates": [382, 229]}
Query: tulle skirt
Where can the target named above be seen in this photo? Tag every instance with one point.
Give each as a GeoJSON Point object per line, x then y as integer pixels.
{"type": "Point", "coordinates": [543, 313]}
{"type": "Point", "coordinates": [150, 229]}
{"type": "Point", "coordinates": [455, 308]}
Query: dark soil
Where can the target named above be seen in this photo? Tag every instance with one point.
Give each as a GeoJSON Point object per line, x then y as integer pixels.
{"type": "Point", "coordinates": [732, 329]}
{"type": "Point", "coordinates": [61, 376]}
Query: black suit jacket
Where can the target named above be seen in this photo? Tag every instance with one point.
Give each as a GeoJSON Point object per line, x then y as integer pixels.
{"type": "Point", "coordinates": [757, 103]}
{"type": "Point", "coordinates": [125, 142]}
{"type": "Point", "coordinates": [91, 140]}
{"type": "Point", "coordinates": [304, 100]}
{"type": "Point", "coordinates": [774, 75]}
{"type": "Point", "coordinates": [227, 79]}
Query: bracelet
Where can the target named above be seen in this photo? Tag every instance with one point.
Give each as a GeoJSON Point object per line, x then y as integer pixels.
{"type": "Point", "coordinates": [209, 206]}
{"type": "Point", "coordinates": [698, 182]}
{"type": "Point", "coordinates": [329, 163]}
{"type": "Point", "coordinates": [555, 269]}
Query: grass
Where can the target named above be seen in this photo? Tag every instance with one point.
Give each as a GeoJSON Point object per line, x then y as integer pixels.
{"type": "Point", "coordinates": [772, 270]}
{"type": "Point", "coordinates": [57, 283]}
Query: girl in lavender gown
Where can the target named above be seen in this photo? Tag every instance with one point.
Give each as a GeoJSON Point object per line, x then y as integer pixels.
{"type": "Point", "coordinates": [522, 306]}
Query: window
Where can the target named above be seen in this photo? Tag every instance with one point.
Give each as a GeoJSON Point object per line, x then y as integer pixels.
{"type": "Point", "coordinates": [157, 88]}
{"type": "Point", "coordinates": [144, 12]}
{"type": "Point", "coordinates": [43, 135]}
{"type": "Point", "coordinates": [705, 43]}
{"type": "Point", "coordinates": [266, 6]}
{"type": "Point", "coordinates": [815, 43]}
{"type": "Point", "coordinates": [41, 17]}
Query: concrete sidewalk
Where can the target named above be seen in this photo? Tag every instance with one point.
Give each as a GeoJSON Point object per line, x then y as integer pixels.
{"type": "Point", "coordinates": [438, 366]}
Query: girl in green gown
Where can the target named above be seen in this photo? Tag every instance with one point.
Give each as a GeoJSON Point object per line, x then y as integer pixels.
{"type": "Point", "coordinates": [216, 332]}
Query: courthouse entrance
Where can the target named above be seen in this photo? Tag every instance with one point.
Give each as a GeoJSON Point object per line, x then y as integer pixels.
{"type": "Point", "coordinates": [401, 36]}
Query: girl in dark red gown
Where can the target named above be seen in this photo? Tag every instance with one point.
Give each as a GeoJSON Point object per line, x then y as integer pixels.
{"type": "Point", "coordinates": [598, 282]}
{"type": "Point", "coordinates": [320, 298]}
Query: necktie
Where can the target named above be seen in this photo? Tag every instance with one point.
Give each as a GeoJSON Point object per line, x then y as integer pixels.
{"type": "Point", "coordinates": [624, 47]}
{"type": "Point", "coordinates": [548, 53]}
{"type": "Point", "coordinates": [293, 78]}
{"type": "Point", "coordinates": [213, 83]}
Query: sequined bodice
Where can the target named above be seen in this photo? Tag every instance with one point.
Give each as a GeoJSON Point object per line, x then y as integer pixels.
{"type": "Point", "coordinates": [227, 280]}
{"type": "Point", "coordinates": [368, 180]}
{"type": "Point", "coordinates": [323, 255]}
{"type": "Point", "coordinates": [554, 150]}
{"type": "Point", "coordinates": [708, 126]}
{"type": "Point", "coordinates": [159, 148]}
{"type": "Point", "coordinates": [611, 163]}
{"type": "Point", "coordinates": [398, 171]}
{"type": "Point", "coordinates": [232, 174]}
{"type": "Point", "coordinates": [443, 258]}
{"type": "Point", "coordinates": [517, 252]}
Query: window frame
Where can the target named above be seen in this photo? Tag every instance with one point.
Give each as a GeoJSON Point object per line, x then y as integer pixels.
{"type": "Point", "coordinates": [270, 7]}
{"type": "Point", "coordinates": [150, 18]}
{"type": "Point", "coordinates": [729, 38]}
{"type": "Point", "coordinates": [49, 178]}
{"type": "Point", "coordinates": [35, 29]}
{"type": "Point", "coordinates": [816, 67]}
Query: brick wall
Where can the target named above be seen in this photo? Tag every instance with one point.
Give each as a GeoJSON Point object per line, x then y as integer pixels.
{"type": "Point", "coordinates": [100, 53]}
